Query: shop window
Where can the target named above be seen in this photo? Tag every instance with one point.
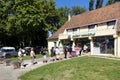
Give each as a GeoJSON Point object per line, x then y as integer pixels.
{"type": "Point", "coordinates": [91, 27]}
{"type": "Point", "coordinates": [111, 24]}
{"type": "Point", "coordinates": [105, 44]}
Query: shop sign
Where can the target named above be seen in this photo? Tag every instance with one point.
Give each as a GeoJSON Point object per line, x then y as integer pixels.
{"type": "Point", "coordinates": [86, 34]}
{"type": "Point", "coordinates": [76, 35]}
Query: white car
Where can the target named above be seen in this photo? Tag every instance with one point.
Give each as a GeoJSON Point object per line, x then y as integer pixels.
{"type": "Point", "coordinates": [8, 52]}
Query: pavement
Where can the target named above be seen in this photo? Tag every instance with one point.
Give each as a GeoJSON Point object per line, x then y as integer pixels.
{"type": "Point", "coordinates": [8, 73]}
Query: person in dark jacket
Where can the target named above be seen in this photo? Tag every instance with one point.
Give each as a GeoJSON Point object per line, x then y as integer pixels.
{"type": "Point", "coordinates": [52, 51]}
{"type": "Point", "coordinates": [65, 52]}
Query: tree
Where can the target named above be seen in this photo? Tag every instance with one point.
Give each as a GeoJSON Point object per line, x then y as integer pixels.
{"type": "Point", "coordinates": [27, 21]}
{"type": "Point", "coordinates": [110, 2]}
{"type": "Point", "coordinates": [77, 10]}
{"type": "Point", "coordinates": [116, 0]}
{"type": "Point", "coordinates": [35, 17]}
{"type": "Point", "coordinates": [63, 13]}
{"type": "Point", "coordinates": [91, 4]}
{"type": "Point", "coordinates": [5, 11]}
{"type": "Point", "coordinates": [99, 4]}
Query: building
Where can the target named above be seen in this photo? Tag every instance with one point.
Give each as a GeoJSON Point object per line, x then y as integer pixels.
{"type": "Point", "coordinates": [98, 29]}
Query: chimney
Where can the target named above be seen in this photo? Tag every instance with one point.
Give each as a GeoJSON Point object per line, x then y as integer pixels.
{"type": "Point", "coordinates": [69, 17]}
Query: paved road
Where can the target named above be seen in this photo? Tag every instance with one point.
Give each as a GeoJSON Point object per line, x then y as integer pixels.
{"type": "Point", "coordinates": [8, 73]}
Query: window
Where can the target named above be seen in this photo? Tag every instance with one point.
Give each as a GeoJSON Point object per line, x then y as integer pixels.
{"type": "Point", "coordinates": [75, 29]}
{"type": "Point", "coordinates": [91, 27]}
{"type": "Point", "coordinates": [111, 24]}
{"type": "Point", "coordinates": [72, 30]}
{"type": "Point", "coordinates": [69, 30]}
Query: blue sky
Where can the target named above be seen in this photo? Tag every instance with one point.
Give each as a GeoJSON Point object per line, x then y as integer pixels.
{"type": "Point", "coordinates": [70, 3]}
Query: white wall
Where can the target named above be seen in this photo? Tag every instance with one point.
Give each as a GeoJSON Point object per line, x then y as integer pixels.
{"type": "Point", "coordinates": [102, 26]}
{"type": "Point", "coordinates": [83, 29]}
{"type": "Point", "coordinates": [52, 44]}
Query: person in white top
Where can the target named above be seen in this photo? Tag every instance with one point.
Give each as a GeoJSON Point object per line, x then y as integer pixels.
{"type": "Point", "coordinates": [85, 48]}
{"type": "Point", "coordinates": [32, 55]}
{"type": "Point", "coordinates": [61, 52]}
{"type": "Point", "coordinates": [57, 53]}
{"type": "Point", "coordinates": [20, 56]}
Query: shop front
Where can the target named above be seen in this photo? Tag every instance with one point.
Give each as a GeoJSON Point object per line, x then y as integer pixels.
{"type": "Point", "coordinates": [97, 45]}
{"type": "Point", "coordinates": [103, 45]}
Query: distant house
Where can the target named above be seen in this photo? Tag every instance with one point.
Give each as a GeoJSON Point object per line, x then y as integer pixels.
{"type": "Point", "coordinates": [98, 29]}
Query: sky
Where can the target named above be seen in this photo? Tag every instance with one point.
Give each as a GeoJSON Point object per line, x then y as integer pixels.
{"type": "Point", "coordinates": [70, 3]}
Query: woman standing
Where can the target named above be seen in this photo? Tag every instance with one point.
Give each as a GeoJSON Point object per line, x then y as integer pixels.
{"type": "Point", "coordinates": [77, 49]}
{"type": "Point", "coordinates": [32, 55]}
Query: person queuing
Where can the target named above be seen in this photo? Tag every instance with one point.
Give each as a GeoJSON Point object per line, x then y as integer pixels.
{"type": "Point", "coordinates": [52, 51]}
{"type": "Point", "coordinates": [57, 53]}
{"type": "Point", "coordinates": [32, 55]}
{"type": "Point", "coordinates": [70, 52]}
{"type": "Point", "coordinates": [65, 52]}
{"type": "Point", "coordinates": [20, 56]}
{"type": "Point", "coordinates": [73, 52]}
{"type": "Point", "coordinates": [80, 51]}
{"type": "Point", "coordinates": [61, 52]}
{"type": "Point", "coordinates": [77, 49]}
{"type": "Point", "coordinates": [44, 55]}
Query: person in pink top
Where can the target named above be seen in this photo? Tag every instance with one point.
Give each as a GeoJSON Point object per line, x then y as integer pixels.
{"type": "Point", "coordinates": [77, 49]}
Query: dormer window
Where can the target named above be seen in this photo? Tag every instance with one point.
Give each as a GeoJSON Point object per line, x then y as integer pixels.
{"type": "Point", "coordinates": [69, 30]}
{"type": "Point", "coordinates": [75, 29]}
{"type": "Point", "coordinates": [111, 24]}
{"type": "Point", "coordinates": [91, 27]}
{"type": "Point", "coordinates": [72, 30]}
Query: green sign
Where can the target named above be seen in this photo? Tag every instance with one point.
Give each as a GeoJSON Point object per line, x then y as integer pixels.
{"type": "Point", "coordinates": [86, 34]}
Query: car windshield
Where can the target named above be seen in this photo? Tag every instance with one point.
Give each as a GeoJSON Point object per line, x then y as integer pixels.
{"type": "Point", "coordinates": [7, 50]}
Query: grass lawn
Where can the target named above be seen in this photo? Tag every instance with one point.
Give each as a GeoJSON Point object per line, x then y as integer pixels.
{"type": "Point", "coordinates": [83, 68]}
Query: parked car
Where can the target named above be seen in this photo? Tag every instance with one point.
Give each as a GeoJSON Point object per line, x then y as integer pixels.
{"type": "Point", "coordinates": [7, 52]}
{"type": "Point", "coordinates": [27, 50]}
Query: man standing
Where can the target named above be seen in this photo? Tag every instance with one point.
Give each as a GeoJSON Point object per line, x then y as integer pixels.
{"type": "Point", "coordinates": [20, 56]}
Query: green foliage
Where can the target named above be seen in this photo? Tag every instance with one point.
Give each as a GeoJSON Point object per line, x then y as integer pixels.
{"type": "Point", "coordinates": [64, 11]}
{"type": "Point", "coordinates": [27, 22]}
{"type": "Point", "coordinates": [110, 2]}
{"type": "Point", "coordinates": [77, 10]}
{"type": "Point", "coordinates": [91, 4]}
{"type": "Point", "coordinates": [99, 4]}
{"type": "Point", "coordinates": [116, 0]}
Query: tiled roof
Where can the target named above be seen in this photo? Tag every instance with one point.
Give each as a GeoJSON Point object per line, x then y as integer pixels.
{"type": "Point", "coordinates": [105, 14]}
